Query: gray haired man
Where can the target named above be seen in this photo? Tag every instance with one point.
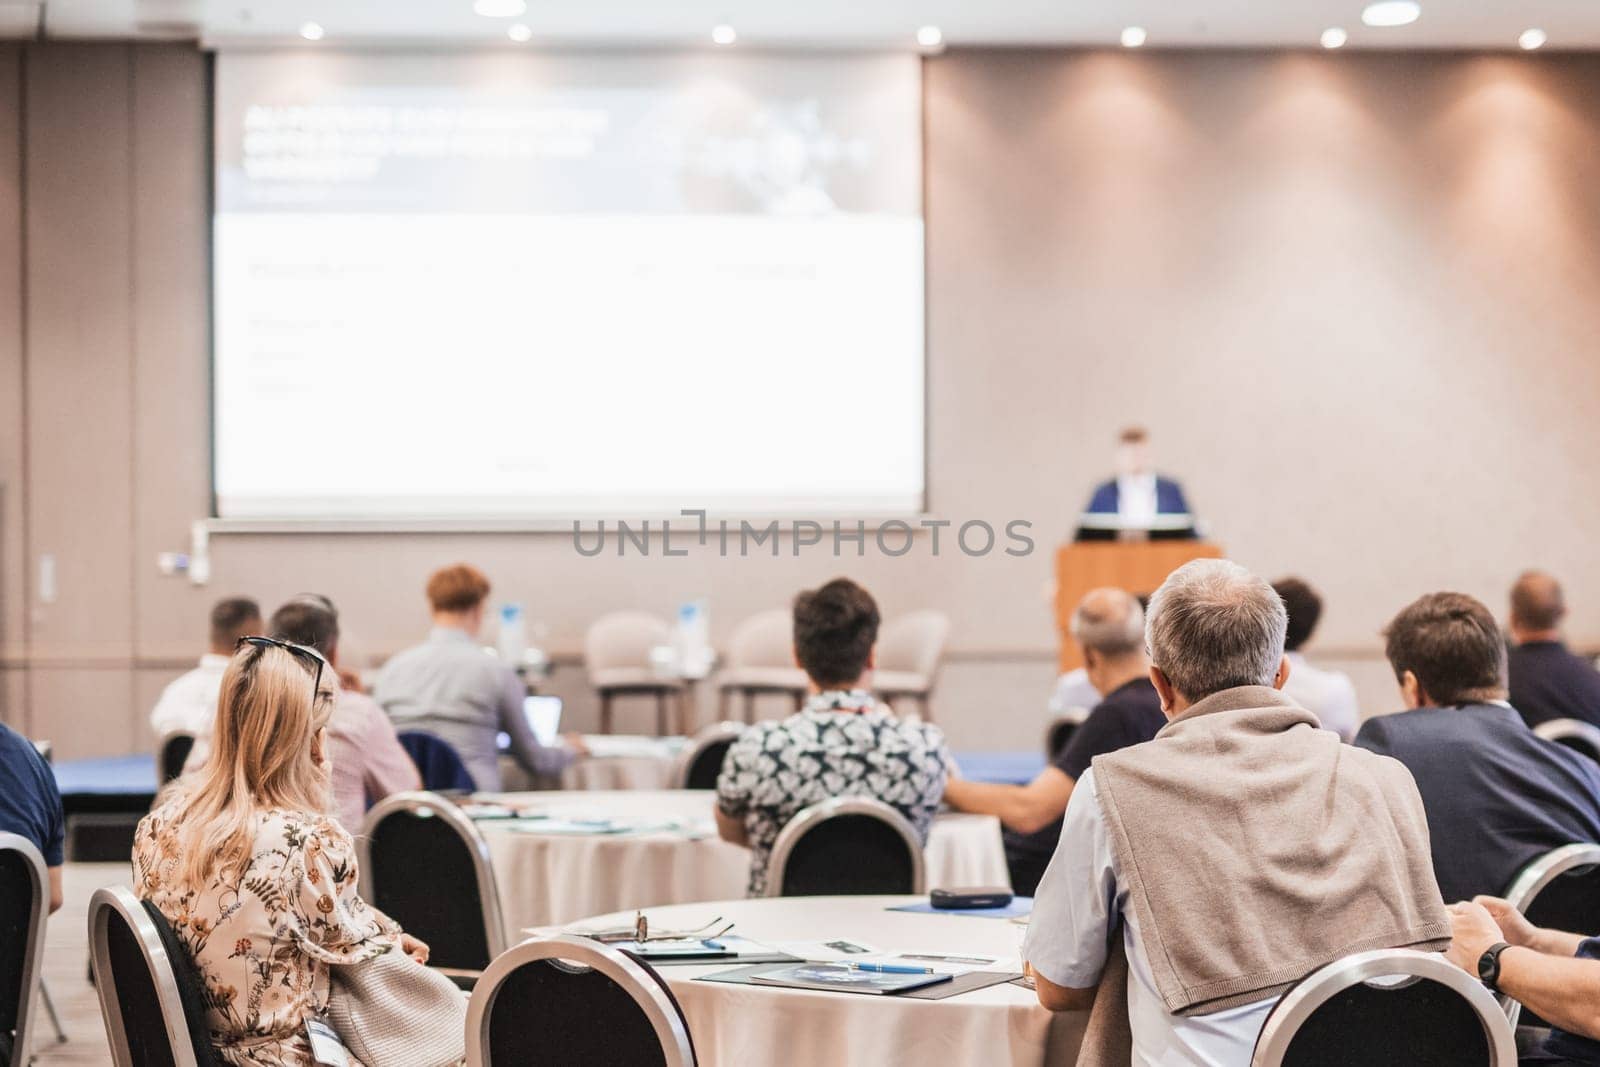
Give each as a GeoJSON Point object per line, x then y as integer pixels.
{"type": "Point", "coordinates": [1239, 850]}
{"type": "Point", "coordinates": [1109, 627]}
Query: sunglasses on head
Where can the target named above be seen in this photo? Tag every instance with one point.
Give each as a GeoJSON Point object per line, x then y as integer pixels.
{"type": "Point", "coordinates": [299, 652]}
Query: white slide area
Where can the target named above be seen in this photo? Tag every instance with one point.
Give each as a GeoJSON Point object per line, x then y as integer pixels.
{"type": "Point", "coordinates": [495, 286]}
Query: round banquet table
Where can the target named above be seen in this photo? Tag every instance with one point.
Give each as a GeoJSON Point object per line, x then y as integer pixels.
{"type": "Point", "coordinates": [739, 1025]}
{"type": "Point", "coordinates": [548, 879]}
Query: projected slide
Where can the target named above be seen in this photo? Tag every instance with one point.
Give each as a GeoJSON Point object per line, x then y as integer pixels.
{"type": "Point", "coordinates": [513, 286]}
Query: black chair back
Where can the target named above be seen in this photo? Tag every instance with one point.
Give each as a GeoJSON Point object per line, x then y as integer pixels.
{"type": "Point", "coordinates": [438, 762]}
{"type": "Point", "coordinates": [1388, 1008]}
{"type": "Point", "coordinates": [1057, 737]}
{"type": "Point", "coordinates": [701, 761]}
{"type": "Point", "coordinates": [175, 749]}
{"type": "Point", "coordinates": [566, 1000]}
{"type": "Point", "coordinates": [425, 865]}
{"type": "Point", "coordinates": [847, 846]}
{"type": "Point", "coordinates": [1582, 737]}
{"type": "Point", "coordinates": [1559, 891]}
{"type": "Point", "coordinates": [23, 879]}
{"type": "Point", "coordinates": [140, 999]}
{"type": "Point", "coordinates": [191, 987]}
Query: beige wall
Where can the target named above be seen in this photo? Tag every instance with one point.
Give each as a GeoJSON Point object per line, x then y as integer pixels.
{"type": "Point", "coordinates": [1354, 295]}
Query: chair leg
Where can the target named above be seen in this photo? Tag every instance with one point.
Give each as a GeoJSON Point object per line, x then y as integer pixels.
{"type": "Point", "coordinates": [927, 709]}
{"type": "Point", "coordinates": [723, 698]}
{"type": "Point", "coordinates": [749, 707]}
{"type": "Point", "coordinates": [799, 701]}
{"type": "Point", "coordinates": [50, 1008]}
{"type": "Point", "coordinates": [686, 710]}
{"type": "Point", "coordinates": [661, 713]}
{"type": "Point", "coordinates": [605, 711]}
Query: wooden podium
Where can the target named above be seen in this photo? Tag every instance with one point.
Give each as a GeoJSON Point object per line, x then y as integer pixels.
{"type": "Point", "coordinates": [1137, 566]}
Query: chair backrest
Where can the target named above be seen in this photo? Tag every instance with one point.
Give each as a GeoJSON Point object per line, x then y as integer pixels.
{"type": "Point", "coordinates": [173, 753]}
{"type": "Point", "coordinates": [1350, 1011]}
{"type": "Point", "coordinates": [425, 865]}
{"type": "Point", "coordinates": [765, 639]}
{"type": "Point", "coordinates": [846, 846]}
{"type": "Point", "coordinates": [140, 1000]}
{"type": "Point", "coordinates": [913, 643]}
{"type": "Point", "coordinates": [565, 1000]}
{"type": "Point", "coordinates": [23, 898]}
{"type": "Point", "coordinates": [701, 761]}
{"type": "Point", "coordinates": [1574, 733]}
{"type": "Point", "coordinates": [438, 763]}
{"type": "Point", "coordinates": [1558, 891]}
{"type": "Point", "coordinates": [623, 639]}
{"type": "Point", "coordinates": [1059, 734]}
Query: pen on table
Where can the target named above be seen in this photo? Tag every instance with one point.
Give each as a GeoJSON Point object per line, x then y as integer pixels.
{"type": "Point", "coordinates": [888, 968]}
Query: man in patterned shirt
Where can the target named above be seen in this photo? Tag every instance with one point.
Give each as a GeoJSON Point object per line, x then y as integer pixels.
{"type": "Point", "coordinates": [842, 743]}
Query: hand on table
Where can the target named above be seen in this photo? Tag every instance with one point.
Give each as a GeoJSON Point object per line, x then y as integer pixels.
{"type": "Point", "coordinates": [575, 743]}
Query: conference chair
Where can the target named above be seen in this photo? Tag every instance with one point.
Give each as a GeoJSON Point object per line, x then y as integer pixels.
{"type": "Point", "coordinates": [1559, 891]}
{"type": "Point", "coordinates": [172, 753]}
{"type": "Point", "coordinates": [701, 762]}
{"type": "Point", "coordinates": [565, 1000]}
{"type": "Point", "coordinates": [1574, 733]}
{"type": "Point", "coordinates": [616, 651]}
{"type": "Point", "coordinates": [438, 763]}
{"type": "Point", "coordinates": [24, 904]}
{"type": "Point", "coordinates": [910, 648]}
{"type": "Point", "coordinates": [846, 846]}
{"type": "Point", "coordinates": [1388, 1008]}
{"type": "Point", "coordinates": [1059, 734]}
{"type": "Point", "coordinates": [761, 663]}
{"type": "Point", "coordinates": [150, 989]}
{"type": "Point", "coordinates": [426, 866]}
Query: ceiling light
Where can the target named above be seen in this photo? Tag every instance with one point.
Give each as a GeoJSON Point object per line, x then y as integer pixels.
{"type": "Point", "coordinates": [1133, 37]}
{"type": "Point", "coordinates": [1532, 39]}
{"type": "Point", "coordinates": [723, 34]}
{"type": "Point", "coordinates": [1391, 13]}
{"type": "Point", "coordinates": [312, 31]}
{"type": "Point", "coordinates": [519, 32]}
{"type": "Point", "coordinates": [1334, 37]}
{"type": "Point", "coordinates": [930, 37]}
{"type": "Point", "coordinates": [500, 9]}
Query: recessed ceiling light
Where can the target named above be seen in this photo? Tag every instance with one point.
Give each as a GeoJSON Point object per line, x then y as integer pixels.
{"type": "Point", "coordinates": [519, 32]}
{"type": "Point", "coordinates": [1532, 39]}
{"type": "Point", "coordinates": [1334, 37]}
{"type": "Point", "coordinates": [1133, 37]}
{"type": "Point", "coordinates": [500, 9]}
{"type": "Point", "coordinates": [723, 34]}
{"type": "Point", "coordinates": [1392, 13]}
{"type": "Point", "coordinates": [930, 37]}
{"type": "Point", "coordinates": [312, 31]}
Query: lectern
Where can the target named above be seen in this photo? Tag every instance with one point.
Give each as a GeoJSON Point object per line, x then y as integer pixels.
{"type": "Point", "coordinates": [1137, 566]}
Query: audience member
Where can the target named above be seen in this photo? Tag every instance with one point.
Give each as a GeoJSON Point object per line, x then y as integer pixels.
{"type": "Point", "coordinates": [1497, 795]}
{"type": "Point", "coordinates": [30, 804]}
{"type": "Point", "coordinates": [258, 883]}
{"type": "Point", "coordinates": [368, 762]}
{"type": "Point", "coordinates": [1329, 695]}
{"type": "Point", "coordinates": [1555, 975]}
{"type": "Point", "coordinates": [1109, 627]}
{"type": "Point", "coordinates": [448, 687]}
{"type": "Point", "coordinates": [842, 743]}
{"type": "Point", "coordinates": [1240, 849]}
{"type": "Point", "coordinates": [1546, 680]}
{"type": "Point", "coordinates": [189, 702]}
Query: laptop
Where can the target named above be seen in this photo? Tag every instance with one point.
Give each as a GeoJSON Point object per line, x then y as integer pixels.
{"type": "Point", "coordinates": [544, 719]}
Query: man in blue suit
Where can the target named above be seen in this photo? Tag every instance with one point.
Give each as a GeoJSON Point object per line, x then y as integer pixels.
{"type": "Point", "coordinates": [1137, 503]}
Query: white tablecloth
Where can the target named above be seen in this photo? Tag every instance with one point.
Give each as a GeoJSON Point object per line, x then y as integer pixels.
{"type": "Point", "coordinates": [619, 762]}
{"type": "Point", "coordinates": [547, 879]}
{"type": "Point", "coordinates": [742, 1025]}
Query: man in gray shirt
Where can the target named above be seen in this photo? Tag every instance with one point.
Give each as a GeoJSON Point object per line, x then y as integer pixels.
{"type": "Point", "coordinates": [448, 687]}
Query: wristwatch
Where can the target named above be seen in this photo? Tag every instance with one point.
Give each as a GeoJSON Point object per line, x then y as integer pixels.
{"type": "Point", "coordinates": [1489, 966]}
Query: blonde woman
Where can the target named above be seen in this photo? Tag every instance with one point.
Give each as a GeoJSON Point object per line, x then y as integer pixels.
{"type": "Point", "coordinates": [257, 879]}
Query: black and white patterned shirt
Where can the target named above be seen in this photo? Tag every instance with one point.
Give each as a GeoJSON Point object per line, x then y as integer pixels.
{"type": "Point", "coordinates": [830, 748]}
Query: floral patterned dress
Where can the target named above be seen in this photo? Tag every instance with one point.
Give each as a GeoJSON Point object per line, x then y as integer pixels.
{"type": "Point", "coordinates": [264, 936]}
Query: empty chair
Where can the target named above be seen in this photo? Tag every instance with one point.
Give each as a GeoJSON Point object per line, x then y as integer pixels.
{"type": "Point", "coordinates": [24, 902]}
{"type": "Point", "coordinates": [909, 650]}
{"type": "Point", "coordinates": [440, 765]}
{"type": "Point", "coordinates": [1387, 1008]}
{"type": "Point", "coordinates": [173, 753]}
{"type": "Point", "coordinates": [1558, 891]}
{"type": "Point", "coordinates": [701, 762]}
{"type": "Point", "coordinates": [846, 846]}
{"type": "Point", "coordinates": [1574, 733]}
{"type": "Point", "coordinates": [426, 866]}
{"type": "Point", "coordinates": [150, 995]}
{"type": "Point", "coordinates": [616, 651]}
{"type": "Point", "coordinates": [566, 1000]}
{"type": "Point", "coordinates": [761, 662]}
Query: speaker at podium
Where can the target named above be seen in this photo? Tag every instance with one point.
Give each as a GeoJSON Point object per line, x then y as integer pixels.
{"type": "Point", "coordinates": [1137, 566]}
